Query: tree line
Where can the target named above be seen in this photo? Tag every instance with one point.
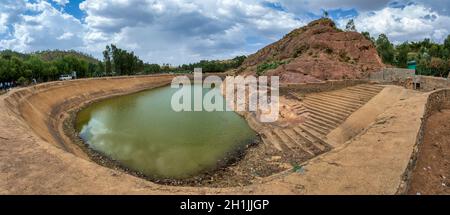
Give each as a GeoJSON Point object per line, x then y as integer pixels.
{"type": "Point", "coordinates": [213, 65]}
{"type": "Point", "coordinates": [23, 68]}
{"type": "Point", "coordinates": [50, 65]}
{"type": "Point", "coordinates": [431, 58]}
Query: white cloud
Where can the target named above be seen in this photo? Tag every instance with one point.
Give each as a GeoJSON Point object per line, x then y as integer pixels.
{"type": "Point", "coordinates": [411, 23]}
{"type": "Point", "coordinates": [44, 28]}
{"type": "Point", "coordinates": [66, 36]}
{"type": "Point", "coordinates": [182, 31]}
{"type": "Point", "coordinates": [10, 12]}
{"type": "Point", "coordinates": [62, 2]}
{"type": "Point", "coordinates": [440, 6]}
{"type": "Point", "coordinates": [316, 6]}
{"type": "Point", "coordinates": [3, 23]}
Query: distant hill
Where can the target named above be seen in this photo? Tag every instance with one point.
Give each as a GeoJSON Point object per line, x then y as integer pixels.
{"type": "Point", "coordinates": [55, 54]}
{"type": "Point", "coordinates": [14, 54]}
{"type": "Point", "coordinates": [316, 52]}
{"type": "Point", "coordinates": [51, 55]}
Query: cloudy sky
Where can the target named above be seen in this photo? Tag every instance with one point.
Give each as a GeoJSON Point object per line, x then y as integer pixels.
{"type": "Point", "coordinates": [182, 31]}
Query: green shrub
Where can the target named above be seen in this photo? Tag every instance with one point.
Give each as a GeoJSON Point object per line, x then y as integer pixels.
{"type": "Point", "coordinates": [300, 50]}
{"type": "Point", "coordinates": [343, 57]}
{"type": "Point", "coordinates": [22, 81]}
{"type": "Point", "coordinates": [262, 68]}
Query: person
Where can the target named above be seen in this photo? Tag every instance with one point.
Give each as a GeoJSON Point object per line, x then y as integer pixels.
{"type": "Point", "coordinates": [1, 86]}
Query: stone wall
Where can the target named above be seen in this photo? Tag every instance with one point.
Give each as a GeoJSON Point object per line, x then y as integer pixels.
{"type": "Point", "coordinates": [429, 83]}
{"type": "Point", "coordinates": [436, 101]}
{"type": "Point", "coordinates": [392, 75]}
{"type": "Point", "coordinates": [408, 79]}
{"type": "Point", "coordinates": [321, 86]}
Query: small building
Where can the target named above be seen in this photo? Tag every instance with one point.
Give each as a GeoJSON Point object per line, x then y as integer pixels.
{"type": "Point", "coordinates": [74, 74]}
{"type": "Point", "coordinates": [412, 65]}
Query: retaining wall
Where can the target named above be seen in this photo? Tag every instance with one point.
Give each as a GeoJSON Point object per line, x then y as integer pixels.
{"type": "Point", "coordinates": [429, 83]}
{"type": "Point", "coordinates": [320, 86]}
{"type": "Point", "coordinates": [407, 78]}
{"type": "Point", "coordinates": [392, 75]}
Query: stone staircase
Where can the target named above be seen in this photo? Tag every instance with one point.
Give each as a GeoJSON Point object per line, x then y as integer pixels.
{"type": "Point", "coordinates": [324, 112]}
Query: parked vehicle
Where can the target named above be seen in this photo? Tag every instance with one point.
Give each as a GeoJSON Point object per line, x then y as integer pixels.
{"type": "Point", "coordinates": [65, 77]}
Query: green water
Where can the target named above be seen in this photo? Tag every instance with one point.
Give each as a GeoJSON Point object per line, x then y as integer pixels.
{"type": "Point", "coordinates": [143, 133]}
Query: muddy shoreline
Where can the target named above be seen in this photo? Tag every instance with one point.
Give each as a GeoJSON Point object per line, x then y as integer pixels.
{"type": "Point", "coordinates": [223, 175]}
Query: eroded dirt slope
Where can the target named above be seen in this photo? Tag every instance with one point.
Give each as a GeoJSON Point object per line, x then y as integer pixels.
{"type": "Point", "coordinates": [432, 172]}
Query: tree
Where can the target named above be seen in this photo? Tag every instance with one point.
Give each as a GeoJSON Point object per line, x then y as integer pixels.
{"type": "Point", "coordinates": [43, 67]}
{"type": "Point", "coordinates": [435, 50]}
{"type": "Point", "coordinates": [385, 49]}
{"type": "Point", "coordinates": [237, 61]}
{"type": "Point", "coordinates": [107, 60]}
{"type": "Point", "coordinates": [367, 36]}
{"type": "Point", "coordinates": [91, 69]}
{"type": "Point", "coordinates": [124, 62]}
{"type": "Point", "coordinates": [423, 67]}
{"type": "Point", "coordinates": [447, 46]}
{"type": "Point", "coordinates": [151, 68]}
{"type": "Point", "coordinates": [99, 70]}
{"type": "Point", "coordinates": [22, 81]}
{"type": "Point", "coordinates": [325, 14]}
{"type": "Point", "coordinates": [401, 59]}
{"type": "Point", "coordinates": [350, 26]}
{"type": "Point", "coordinates": [36, 65]}
{"type": "Point", "coordinates": [51, 73]}
{"type": "Point", "coordinates": [447, 66]}
{"type": "Point", "coordinates": [447, 42]}
{"type": "Point", "coordinates": [438, 67]}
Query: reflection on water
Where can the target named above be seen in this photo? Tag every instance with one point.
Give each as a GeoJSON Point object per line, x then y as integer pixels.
{"type": "Point", "coordinates": [142, 132]}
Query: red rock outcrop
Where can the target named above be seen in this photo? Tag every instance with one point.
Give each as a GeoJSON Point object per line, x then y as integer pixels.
{"type": "Point", "coordinates": [318, 51]}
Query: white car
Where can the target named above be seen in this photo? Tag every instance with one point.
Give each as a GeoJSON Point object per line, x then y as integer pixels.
{"type": "Point", "coordinates": [65, 77]}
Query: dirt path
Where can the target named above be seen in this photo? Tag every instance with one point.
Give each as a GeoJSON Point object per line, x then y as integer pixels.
{"type": "Point", "coordinates": [432, 173]}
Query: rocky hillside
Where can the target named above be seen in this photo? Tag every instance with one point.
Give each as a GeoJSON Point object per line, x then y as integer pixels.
{"type": "Point", "coordinates": [318, 51]}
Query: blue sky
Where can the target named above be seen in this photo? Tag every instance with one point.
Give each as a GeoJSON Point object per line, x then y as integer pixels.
{"type": "Point", "coordinates": [183, 31]}
{"type": "Point", "coordinates": [72, 8]}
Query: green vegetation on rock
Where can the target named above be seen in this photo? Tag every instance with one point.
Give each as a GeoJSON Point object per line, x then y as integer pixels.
{"type": "Point", "coordinates": [262, 68]}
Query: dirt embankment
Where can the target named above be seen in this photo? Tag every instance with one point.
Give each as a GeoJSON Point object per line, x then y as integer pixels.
{"type": "Point", "coordinates": [317, 52]}
{"type": "Point", "coordinates": [44, 107]}
{"type": "Point", "coordinates": [432, 172]}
